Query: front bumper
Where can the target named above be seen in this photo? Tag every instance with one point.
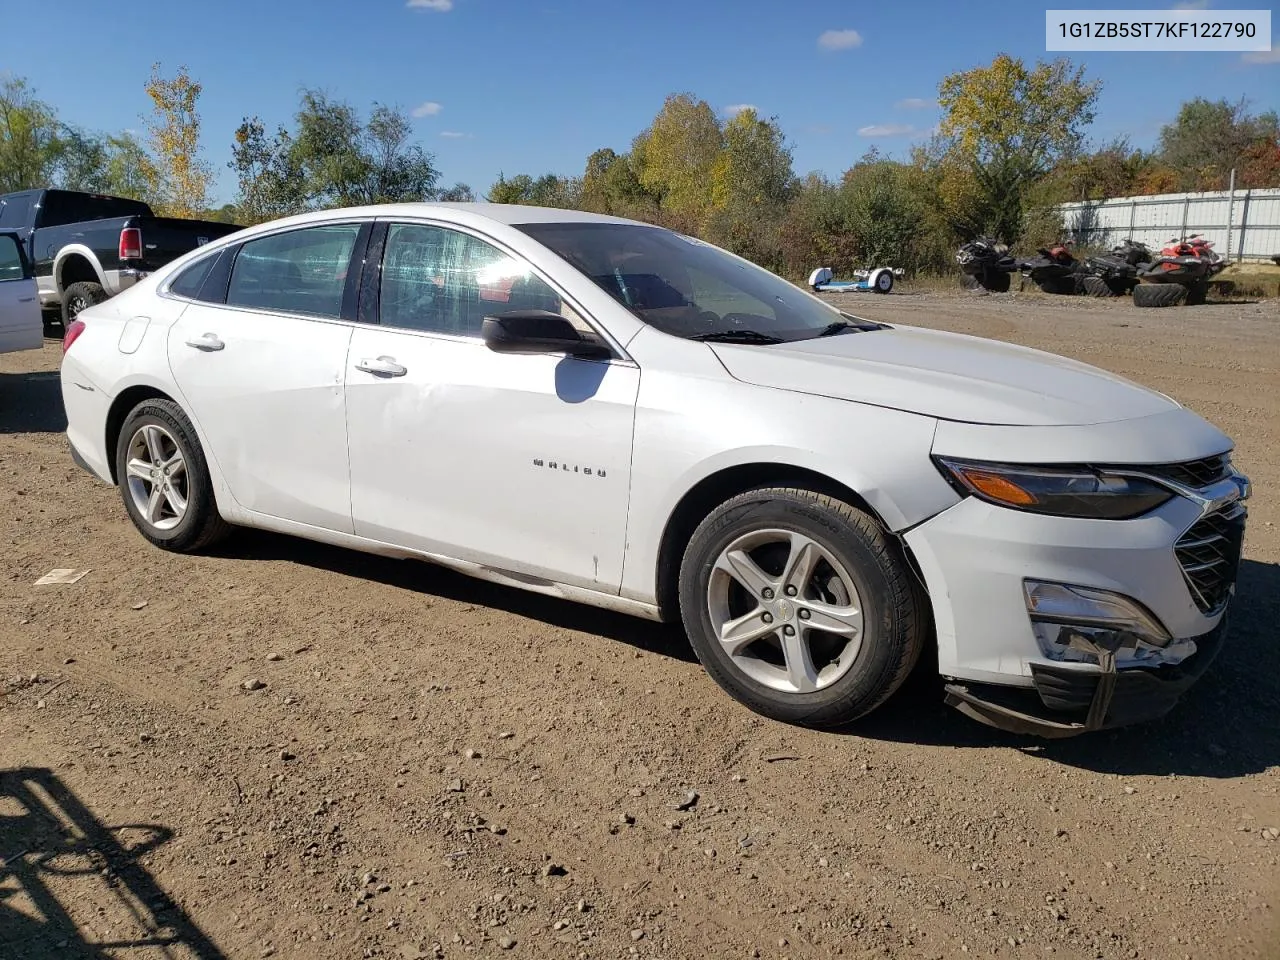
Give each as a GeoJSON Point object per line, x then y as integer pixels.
{"type": "Point", "coordinates": [1065, 702]}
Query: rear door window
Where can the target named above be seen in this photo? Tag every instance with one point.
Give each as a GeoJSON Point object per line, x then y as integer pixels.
{"type": "Point", "coordinates": [302, 271]}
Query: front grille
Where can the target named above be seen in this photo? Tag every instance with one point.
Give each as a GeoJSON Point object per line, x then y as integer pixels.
{"type": "Point", "coordinates": [1209, 554]}
{"type": "Point", "coordinates": [1196, 474]}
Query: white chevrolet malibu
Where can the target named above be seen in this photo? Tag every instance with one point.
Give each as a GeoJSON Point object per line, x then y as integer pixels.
{"type": "Point", "coordinates": [619, 415]}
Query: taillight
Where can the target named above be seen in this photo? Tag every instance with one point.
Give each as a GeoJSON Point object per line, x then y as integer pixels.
{"type": "Point", "coordinates": [130, 243]}
{"type": "Point", "coordinates": [74, 330]}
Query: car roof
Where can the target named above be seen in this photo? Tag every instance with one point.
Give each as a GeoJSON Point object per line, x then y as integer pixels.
{"type": "Point", "coordinates": [461, 213]}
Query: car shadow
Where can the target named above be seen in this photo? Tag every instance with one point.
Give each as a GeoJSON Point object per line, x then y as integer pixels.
{"type": "Point", "coordinates": [60, 863]}
{"type": "Point", "coordinates": [1221, 728]}
{"type": "Point", "coordinates": [436, 581]}
{"type": "Point", "coordinates": [32, 403]}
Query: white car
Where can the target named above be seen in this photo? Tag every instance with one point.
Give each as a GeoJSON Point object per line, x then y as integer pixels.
{"type": "Point", "coordinates": [21, 325]}
{"type": "Point", "coordinates": [619, 415]}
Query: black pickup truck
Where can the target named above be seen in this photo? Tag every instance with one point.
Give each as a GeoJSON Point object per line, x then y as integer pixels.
{"type": "Point", "coordinates": [86, 247]}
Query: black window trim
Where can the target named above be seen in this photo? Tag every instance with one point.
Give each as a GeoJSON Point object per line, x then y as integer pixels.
{"type": "Point", "coordinates": [618, 353]}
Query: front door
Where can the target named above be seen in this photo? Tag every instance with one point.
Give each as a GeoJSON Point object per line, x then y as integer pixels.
{"type": "Point", "coordinates": [517, 462]}
{"type": "Point", "coordinates": [21, 326]}
{"type": "Point", "coordinates": [262, 374]}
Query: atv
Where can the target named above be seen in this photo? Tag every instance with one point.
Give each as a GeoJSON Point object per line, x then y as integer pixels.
{"type": "Point", "coordinates": [1054, 270]}
{"type": "Point", "coordinates": [877, 280]}
{"type": "Point", "coordinates": [986, 263]}
{"type": "Point", "coordinates": [1115, 273]}
{"type": "Point", "coordinates": [1179, 275]}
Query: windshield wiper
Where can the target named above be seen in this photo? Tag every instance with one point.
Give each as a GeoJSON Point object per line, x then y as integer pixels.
{"type": "Point", "coordinates": [737, 336]}
{"type": "Point", "coordinates": [840, 326]}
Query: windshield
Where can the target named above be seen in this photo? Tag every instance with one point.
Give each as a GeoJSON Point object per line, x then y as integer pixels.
{"type": "Point", "coordinates": [689, 288]}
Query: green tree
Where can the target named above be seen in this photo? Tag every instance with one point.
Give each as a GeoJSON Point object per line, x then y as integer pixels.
{"type": "Point", "coordinates": [115, 164]}
{"type": "Point", "coordinates": [29, 137]}
{"type": "Point", "coordinates": [458, 193]}
{"type": "Point", "coordinates": [333, 158]}
{"type": "Point", "coordinates": [881, 207]}
{"type": "Point", "coordinates": [751, 182]}
{"type": "Point", "coordinates": [1009, 125]}
{"type": "Point", "coordinates": [175, 140]}
{"type": "Point", "coordinates": [1209, 137]}
{"type": "Point", "coordinates": [675, 155]}
{"type": "Point", "coordinates": [547, 190]}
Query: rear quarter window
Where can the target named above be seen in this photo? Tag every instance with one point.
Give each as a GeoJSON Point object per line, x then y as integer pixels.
{"type": "Point", "coordinates": [192, 277]}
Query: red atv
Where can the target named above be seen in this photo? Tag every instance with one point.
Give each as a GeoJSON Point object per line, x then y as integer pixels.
{"type": "Point", "coordinates": [1179, 275]}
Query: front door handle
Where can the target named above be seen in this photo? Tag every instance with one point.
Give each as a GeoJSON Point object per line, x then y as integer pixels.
{"type": "Point", "coordinates": [383, 366]}
{"type": "Point", "coordinates": [207, 341]}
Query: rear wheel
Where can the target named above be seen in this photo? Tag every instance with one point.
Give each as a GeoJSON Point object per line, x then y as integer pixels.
{"type": "Point", "coordinates": [1197, 293]}
{"type": "Point", "coordinates": [80, 296]}
{"type": "Point", "coordinates": [997, 281]}
{"type": "Point", "coordinates": [884, 282]}
{"type": "Point", "coordinates": [1097, 287]}
{"type": "Point", "coordinates": [164, 479]}
{"type": "Point", "coordinates": [800, 606]}
{"type": "Point", "coordinates": [1062, 286]}
{"type": "Point", "coordinates": [1159, 294]}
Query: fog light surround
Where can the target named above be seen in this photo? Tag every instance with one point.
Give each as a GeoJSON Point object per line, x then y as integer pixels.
{"type": "Point", "coordinates": [1087, 625]}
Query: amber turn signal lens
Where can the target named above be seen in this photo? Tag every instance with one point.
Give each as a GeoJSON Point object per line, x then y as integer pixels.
{"type": "Point", "coordinates": [998, 488]}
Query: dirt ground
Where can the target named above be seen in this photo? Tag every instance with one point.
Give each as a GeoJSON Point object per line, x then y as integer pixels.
{"type": "Point", "coordinates": [430, 766]}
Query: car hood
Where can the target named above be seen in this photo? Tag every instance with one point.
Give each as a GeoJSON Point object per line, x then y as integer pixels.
{"type": "Point", "coordinates": [950, 376]}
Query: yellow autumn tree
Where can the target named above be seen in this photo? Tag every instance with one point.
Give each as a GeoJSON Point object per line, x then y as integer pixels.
{"type": "Point", "coordinates": [174, 130]}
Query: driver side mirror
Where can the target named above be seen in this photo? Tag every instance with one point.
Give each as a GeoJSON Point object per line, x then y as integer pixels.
{"type": "Point", "coordinates": [538, 331]}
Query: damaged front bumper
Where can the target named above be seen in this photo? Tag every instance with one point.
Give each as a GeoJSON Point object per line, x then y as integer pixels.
{"type": "Point", "coordinates": [1066, 701]}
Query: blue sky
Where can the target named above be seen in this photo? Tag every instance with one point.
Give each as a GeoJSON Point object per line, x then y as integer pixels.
{"type": "Point", "coordinates": [497, 85]}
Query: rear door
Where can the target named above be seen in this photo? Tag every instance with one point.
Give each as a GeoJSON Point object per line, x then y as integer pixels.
{"type": "Point", "coordinates": [21, 327]}
{"type": "Point", "coordinates": [259, 357]}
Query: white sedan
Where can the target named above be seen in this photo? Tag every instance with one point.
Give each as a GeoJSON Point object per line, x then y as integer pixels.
{"type": "Point", "coordinates": [619, 415]}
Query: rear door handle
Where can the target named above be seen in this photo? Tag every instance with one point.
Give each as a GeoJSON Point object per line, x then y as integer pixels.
{"type": "Point", "coordinates": [207, 341]}
{"type": "Point", "coordinates": [383, 366]}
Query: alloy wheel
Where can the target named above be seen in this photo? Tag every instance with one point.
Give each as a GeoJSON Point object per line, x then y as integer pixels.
{"type": "Point", "coordinates": [785, 610]}
{"type": "Point", "coordinates": [157, 477]}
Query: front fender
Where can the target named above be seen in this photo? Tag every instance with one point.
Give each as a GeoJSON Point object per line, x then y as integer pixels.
{"type": "Point", "coordinates": [71, 250]}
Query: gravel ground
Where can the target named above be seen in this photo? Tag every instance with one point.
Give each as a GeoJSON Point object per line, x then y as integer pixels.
{"type": "Point", "coordinates": [289, 750]}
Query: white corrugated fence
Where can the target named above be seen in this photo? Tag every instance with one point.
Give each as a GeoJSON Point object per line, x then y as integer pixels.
{"type": "Point", "coordinates": [1244, 224]}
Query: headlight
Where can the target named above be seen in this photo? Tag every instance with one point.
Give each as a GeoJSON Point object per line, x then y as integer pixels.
{"type": "Point", "coordinates": [1059, 491]}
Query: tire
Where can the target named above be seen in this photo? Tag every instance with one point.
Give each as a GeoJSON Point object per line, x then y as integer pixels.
{"type": "Point", "coordinates": [997, 281]}
{"type": "Point", "coordinates": [1097, 287]}
{"type": "Point", "coordinates": [858, 567]}
{"type": "Point", "coordinates": [197, 525]}
{"type": "Point", "coordinates": [77, 297]}
{"type": "Point", "coordinates": [1197, 293]}
{"type": "Point", "coordinates": [969, 282]}
{"type": "Point", "coordinates": [1159, 294]}
{"type": "Point", "coordinates": [1059, 286]}
{"type": "Point", "coordinates": [884, 282]}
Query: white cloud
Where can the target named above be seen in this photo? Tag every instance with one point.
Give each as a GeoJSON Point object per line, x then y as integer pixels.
{"type": "Point", "coordinates": [1263, 56]}
{"type": "Point", "coordinates": [915, 103]}
{"type": "Point", "coordinates": [736, 108]}
{"type": "Point", "coordinates": [428, 109]}
{"type": "Point", "coordinates": [1191, 5]}
{"type": "Point", "coordinates": [439, 6]}
{"type": "Point", "coordinates": [453, 134]}
{"type": "Point", "coordinates": [840, 40]}
{"type": "Point", "coordinates": [887, 130]}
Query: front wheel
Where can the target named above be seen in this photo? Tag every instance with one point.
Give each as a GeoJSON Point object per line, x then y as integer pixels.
{"type": "Point", "coordinates": [800, 606]}
{"type": "Point", "coordinates": [164, 479]}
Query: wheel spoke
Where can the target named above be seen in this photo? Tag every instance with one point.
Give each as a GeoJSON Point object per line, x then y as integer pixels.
{"type": "Point", "coordinates": [138, 468]}
{"type": "Point", "coordinates": [155, 444]}
{"type": "Point", "coordinates": [800, 669]}
{"type": "Point", "coordinates": [738, 633]}
{"type": "Point", "coordinates": [804, 556]}
{"type": "Point", "coordinates": [846, 621]}
{"type": "Point", "coordinates": [175, 464]}
{"type": "Point", "coordinates": [177, 502]}
{"type": "Point", "coordinates": [155, 502]}
{"type": "Point", "coordinates": [746, 571]}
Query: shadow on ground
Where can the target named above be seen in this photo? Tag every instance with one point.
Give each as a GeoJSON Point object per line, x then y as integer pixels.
{"type": "Point", "coordinates": [1221, 728]}
{"type": "Point", "coordinates": [435, 581]}
{"type": "Point", "coordinates": [72, 888]}
{"type": "Point", "coordinates": [32, 403]}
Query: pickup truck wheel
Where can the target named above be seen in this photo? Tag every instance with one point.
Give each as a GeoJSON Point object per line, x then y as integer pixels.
{"type": "Point", "coordinates": [800, 606]}
{"type": "Point", "coordinates": [77, 297]}
{"type": "Point", "coordinates": [164, 479]}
